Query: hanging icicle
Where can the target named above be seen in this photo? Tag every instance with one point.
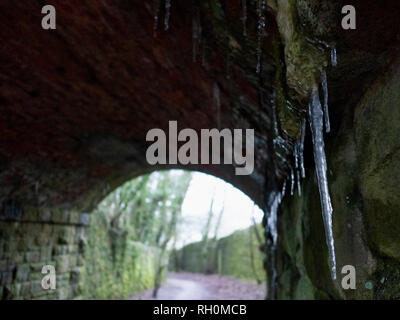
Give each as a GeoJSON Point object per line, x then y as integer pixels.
{"type": "Point", "coordinates": [301, 148]}
{"type": "Point", "coordinates": [296, 156]}
{"type": "Point", "coordinates": [316, 123]}
{"type": "Point", "coordinates": [272, 231]}
{"type": "Point", "coordinates": [291, 182]}
{"type": "Point", "coordinates": [156, 11]}
{"type": "Point", "coordinates": [324, 81]}
{"type": "Point", "coordinates": [298, 182]}
{"type": "Point", "coordinates": [334, 57]}
{"type": "Point", "coordinates": [167, 14]}
{"type": "Point", "coordinates": [284, 189]}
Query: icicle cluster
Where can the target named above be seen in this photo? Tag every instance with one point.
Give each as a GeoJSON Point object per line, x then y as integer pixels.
{"type": "Point", "coordinates": [319, 117]}
{"type": "Point", "coordinates": [316, 123]}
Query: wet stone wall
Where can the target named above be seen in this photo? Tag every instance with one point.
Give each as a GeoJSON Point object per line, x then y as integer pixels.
{"type": "Point", "coordinates": [31, 238]}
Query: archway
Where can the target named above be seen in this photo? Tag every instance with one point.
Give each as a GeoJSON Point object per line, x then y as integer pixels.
{"type": "Point", "coordinates": [76, 104]}
{"type": "Point", "coordinates": [186, 234]}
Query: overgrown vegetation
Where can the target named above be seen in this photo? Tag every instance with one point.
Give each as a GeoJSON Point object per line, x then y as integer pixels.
{"type": "Point", "coordinates": [130, 232]}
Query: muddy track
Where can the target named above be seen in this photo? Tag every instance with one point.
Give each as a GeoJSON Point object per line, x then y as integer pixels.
{"type": "Point", "coordinates": [189, 286]}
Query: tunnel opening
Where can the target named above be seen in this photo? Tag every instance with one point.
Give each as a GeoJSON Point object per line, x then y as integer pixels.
{"type": "Point", "coordinates": [174, 234]}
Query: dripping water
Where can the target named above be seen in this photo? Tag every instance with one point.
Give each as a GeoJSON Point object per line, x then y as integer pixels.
{"type": "Point", "coordinates": [316, 123]}
{"type": "Point", "coordinates": [167, 14]}
{"type": "Point", "coordinates": [298, 182]}
{"type": "Point", "coordinates": [326, 107]}
{"type": "Point", "coordinates": [291, 182]}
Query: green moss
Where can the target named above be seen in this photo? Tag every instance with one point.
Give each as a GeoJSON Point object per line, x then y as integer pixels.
{"type": "Point", "coordinates": [304, 290]}
{"type": "Point", "coordinates": [115, 268]}
{"type": "Point", "coordinates": [228, 256]}
{"type": "Point", "coordinates": [304, 61]}
{"type": "Point", "coordinates": [377, 124]}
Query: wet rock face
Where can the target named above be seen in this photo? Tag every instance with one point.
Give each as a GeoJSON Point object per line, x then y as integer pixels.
{"type": "Point", "coordinates": [76, 104]}
{"type": "Point", "coordinates": [363, 172]}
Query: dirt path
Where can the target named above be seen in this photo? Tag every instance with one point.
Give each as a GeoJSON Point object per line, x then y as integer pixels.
{"type": "Point", "coordinates": [190, 286]}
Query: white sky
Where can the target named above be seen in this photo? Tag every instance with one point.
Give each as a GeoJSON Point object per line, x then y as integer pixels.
{"type": "Point", "coordinates": [238, 208]}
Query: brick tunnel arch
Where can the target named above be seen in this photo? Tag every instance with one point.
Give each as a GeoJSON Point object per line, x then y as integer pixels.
{"type": "Point", "coordinates": [88, 109]}
{"type": "Point", "coordinates": [76, 102]}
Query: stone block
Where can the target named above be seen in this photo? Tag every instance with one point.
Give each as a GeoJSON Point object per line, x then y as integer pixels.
{"type": "Point", "coordinates": [44, 215]}
{"type": "Point", "coordinates": [62, 263]}
{"type": "Point", "coordinates": [32, 256]}
{"type": "Point", "coordinates": [66, 235]}
{"type": "Point", "coordinates": [73, 249]}
{"type": "Point", "coordinates": [75, 274]}
{"type": "Point", "coordinates": [37, 267]}
{"type": "Point", "coordinates": [36, 275]}
{"type": "Point", "coordinates": [74, 217]}
{"type": "Point", "coordinates": [60, 250]}
{"type": "Point", "coordinates": [73, 260]}
{"type": "Point", "coordinates": [6, 278]}
{"type": "Point", "coordinates": [25, 288]}
{"type": "Point", "coordinates": [45, 253]}
{"type": "Point", "coordinates": [15, 289]}
{"type": "Point", "coordinates": [18, 258]}
{"type": "Point", "coordinates": [85, 219]}
{"type": "Point", "coordinates": [36, 289]}
{"type": "Point", "coordinates": [30, 214]}
{"type": "Point", "coordinates": [63, 293]}
{"type": "Point", "coordinates": [22, 273]}
{"type": "Point", "coordinates": [81, 261]}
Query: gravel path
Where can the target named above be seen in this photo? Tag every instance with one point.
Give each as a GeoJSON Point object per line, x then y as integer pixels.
{"type": "Point", "coordinates": [191, 286]}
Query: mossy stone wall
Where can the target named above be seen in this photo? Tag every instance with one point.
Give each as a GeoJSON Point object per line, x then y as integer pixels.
{"type": "Point", "coordinates": [86, 267]}
{"type": "Point", "coordinates": [114, 267]}
{"type": "Point", "coordinates": [230, 256]}
{"type": "Point", "coordinates": [31, 238]}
